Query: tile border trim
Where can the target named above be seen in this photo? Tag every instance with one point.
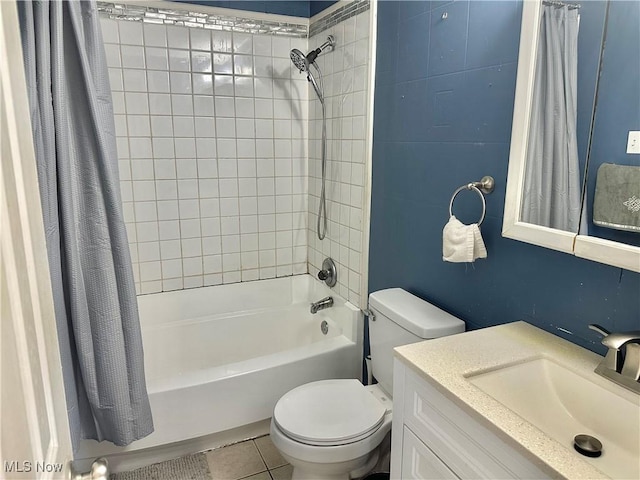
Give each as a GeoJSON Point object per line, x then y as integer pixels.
{"type": "Point", "coordinates": [211, 21]}
{"type": "Point", "coordinates": [339, 15]}
{"type": "Point", "coordinates": [215, 21]}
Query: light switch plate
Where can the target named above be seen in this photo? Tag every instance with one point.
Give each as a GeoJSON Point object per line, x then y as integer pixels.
{"type": "Point", "coordinates": [633, 143]}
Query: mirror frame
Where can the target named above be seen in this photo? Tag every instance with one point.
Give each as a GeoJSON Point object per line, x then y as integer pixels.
{"type": "Point", "coordinates": [591, 248]}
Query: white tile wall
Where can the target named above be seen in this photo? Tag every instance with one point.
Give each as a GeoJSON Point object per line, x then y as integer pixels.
{"type": "Point", "coordinates": [212, 143]}
{"type": "Point", "coordinates": [345, 72]}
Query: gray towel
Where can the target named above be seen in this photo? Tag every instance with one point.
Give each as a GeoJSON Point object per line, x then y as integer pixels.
{"type": "Point", "coordinates": [617, 198]}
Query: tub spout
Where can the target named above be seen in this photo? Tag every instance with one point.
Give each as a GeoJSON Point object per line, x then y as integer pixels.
{"type": "Point", "coordinates": [321, 304]}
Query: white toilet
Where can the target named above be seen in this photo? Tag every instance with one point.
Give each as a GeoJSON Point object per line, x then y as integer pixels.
{"type": "Point", "coordinates": [331, 429]}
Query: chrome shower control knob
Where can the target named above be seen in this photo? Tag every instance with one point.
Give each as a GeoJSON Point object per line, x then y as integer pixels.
{"type": "Point", "coordinates": [328, 274]}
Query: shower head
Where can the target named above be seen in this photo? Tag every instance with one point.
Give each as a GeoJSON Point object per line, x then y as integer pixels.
{"type": "Point", "coordinates": [302, 61]}
{"type": "Point", "coordinates": [299, 60]}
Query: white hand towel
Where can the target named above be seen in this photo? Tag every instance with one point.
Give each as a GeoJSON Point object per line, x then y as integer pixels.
{"type": "Point", "coordinates": [462, 243]}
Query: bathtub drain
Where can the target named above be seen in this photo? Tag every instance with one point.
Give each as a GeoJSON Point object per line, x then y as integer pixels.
{"type": "Point", "coordinates": [324, 326]}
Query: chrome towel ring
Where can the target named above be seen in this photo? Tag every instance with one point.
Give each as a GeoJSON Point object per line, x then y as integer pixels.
{"type": "Point", "coordinates": [485, 185]}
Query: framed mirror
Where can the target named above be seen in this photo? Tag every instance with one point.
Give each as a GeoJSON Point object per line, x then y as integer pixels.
{"type": "Point", "coordinates": [577, 97]}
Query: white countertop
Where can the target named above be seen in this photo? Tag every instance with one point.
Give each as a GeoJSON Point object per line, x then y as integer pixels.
{"type": "Point", "coordinates": [447, 361]}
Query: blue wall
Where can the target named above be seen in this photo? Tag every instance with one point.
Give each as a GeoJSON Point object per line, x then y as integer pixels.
{"type": "Point", "coordinates": [316, 6]}
{"type": "Point", "coordinates": [442, 117]}
{"type": "Point", "coordinates": [296, 8]}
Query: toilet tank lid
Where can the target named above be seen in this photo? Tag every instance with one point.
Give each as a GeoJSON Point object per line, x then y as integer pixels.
{"type": "Point", "coordinates": [414, 314]}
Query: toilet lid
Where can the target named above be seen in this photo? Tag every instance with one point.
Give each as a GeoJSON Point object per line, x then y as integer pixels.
{"type": "Point", "coordinates": [328, 412]}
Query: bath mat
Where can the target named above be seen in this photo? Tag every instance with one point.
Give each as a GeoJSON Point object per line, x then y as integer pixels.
{"type": "Point", "coordinates": [189, 467]}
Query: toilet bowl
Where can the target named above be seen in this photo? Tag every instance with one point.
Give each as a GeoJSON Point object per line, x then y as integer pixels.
{"type": "Point", "coordinates": [333, 429]}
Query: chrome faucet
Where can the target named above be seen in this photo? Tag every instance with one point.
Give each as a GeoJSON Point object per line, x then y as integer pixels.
{"type": "Point", "coordinates": [326, 302]}
{"type": "Point", "coordinates": [621, 364]}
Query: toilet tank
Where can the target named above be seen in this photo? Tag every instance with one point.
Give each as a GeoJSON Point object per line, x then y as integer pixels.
{"type": "Point", "coordinates": [402, 318]}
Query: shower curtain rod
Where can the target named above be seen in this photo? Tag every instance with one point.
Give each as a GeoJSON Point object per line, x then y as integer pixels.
{"type": "Point", "coordinates": [555, 3]}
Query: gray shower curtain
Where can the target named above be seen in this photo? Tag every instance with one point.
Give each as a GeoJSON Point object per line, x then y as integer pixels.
{"type": "Point", "coordinates": [552, 185]}
{"type": "Point", "coordinates": [93, 286]}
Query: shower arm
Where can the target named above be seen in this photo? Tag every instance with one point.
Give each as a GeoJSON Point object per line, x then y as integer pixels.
{"type": "Point", "coordinates": [313, 54]}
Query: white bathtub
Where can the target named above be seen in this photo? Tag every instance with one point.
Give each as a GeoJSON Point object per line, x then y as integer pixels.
{"type": "Point", "coordinates": [218, 358]}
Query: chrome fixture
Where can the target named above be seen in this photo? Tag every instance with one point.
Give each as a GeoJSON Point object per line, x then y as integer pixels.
{"type": "Point", "coordinates": [369, 313]}
{"type": "Point", "coordinates": [303, 63]}
{"type": "Point", "coordinates": [620, 367]}
{"type": "Point", "coordinates": [329, 273]}
{"type": "Point", "coordinates": [324, 327]}
{"type": "Point", "coordinates": [99, 471]}
{"type": "Point", "coordinates": [484, 186]}
{"type": "Point", "coordinates": [587, 445]}
{"type": "Point", "coordinates": [326, 302]}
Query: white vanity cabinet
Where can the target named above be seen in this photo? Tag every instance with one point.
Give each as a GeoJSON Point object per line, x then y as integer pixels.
{"type": "Point", "coordinates": [433, 438]}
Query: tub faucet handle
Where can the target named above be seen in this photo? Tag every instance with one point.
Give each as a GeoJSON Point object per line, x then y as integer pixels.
{"type": "Point", "coordinates": [328, 274]}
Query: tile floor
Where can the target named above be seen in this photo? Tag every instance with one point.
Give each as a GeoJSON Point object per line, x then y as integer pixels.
{"type": "Point", "coordinates": [256, 459]}
{"type": "Point", "coordinates": [251, 460]}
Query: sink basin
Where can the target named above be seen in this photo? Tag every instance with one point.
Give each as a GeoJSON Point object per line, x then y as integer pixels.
{"type": "Point", "coordinates": [564, 404]}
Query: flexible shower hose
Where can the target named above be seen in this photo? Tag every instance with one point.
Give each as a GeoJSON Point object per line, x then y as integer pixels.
{"type": "Point", "coordinates": [321, 224]}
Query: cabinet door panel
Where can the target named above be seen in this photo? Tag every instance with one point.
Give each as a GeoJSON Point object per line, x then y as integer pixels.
{"type": "Point", "coordinates": [418, 462]}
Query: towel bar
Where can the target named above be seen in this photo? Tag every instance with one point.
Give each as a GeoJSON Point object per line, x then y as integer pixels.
{"type": "Point", "coordinates": [485, 185]}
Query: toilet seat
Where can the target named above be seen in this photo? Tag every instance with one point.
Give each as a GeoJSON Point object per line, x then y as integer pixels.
{"type": "Point", "coordinates": [329, 413]}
